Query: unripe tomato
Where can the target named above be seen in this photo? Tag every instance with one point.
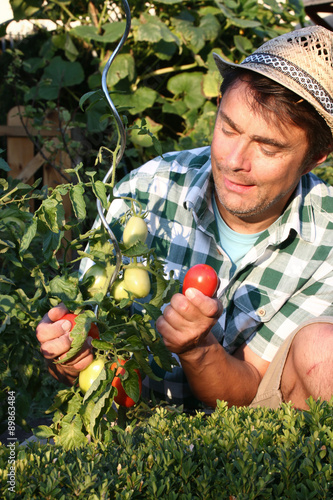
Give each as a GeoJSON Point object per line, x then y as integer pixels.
{"type": "Point", "coordinates": [99, 274]}
{"type": "Point", "coordinates": [90, 374]}
{"type": "Point", "coordinates": [118, 291]}
{"type": "Point", "coordinates": [136, 281]}
{"type": "Point", "coordinates": [93, 332]}
{"type": "Point", "coordinates": [122, 399]}
{"type": "Point", "coordinates": [203, 278]}
{"type": "Point", "coordinates": [135, 230]}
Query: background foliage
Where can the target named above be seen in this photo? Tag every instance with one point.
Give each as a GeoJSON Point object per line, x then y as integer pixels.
{"type": "Point", "coordinates": [164, 75]}
{"type": "Point", "coordinates": [164, 81]}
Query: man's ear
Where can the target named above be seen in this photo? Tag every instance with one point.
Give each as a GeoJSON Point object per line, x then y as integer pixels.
{"type": "Point", "coordinates": [316, 161]}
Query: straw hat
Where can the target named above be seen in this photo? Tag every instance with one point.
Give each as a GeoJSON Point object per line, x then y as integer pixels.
{"type": "Point", "coordinates": [301, 60]}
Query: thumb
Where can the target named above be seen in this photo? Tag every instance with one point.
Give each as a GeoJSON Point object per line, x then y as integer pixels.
{"type": "Point", "coordinates": [210, 307]}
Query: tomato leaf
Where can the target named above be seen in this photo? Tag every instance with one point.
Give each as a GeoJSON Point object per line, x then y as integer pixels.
{"type": "Point", "coordinates": [71, 435]}
{"type": "Point", "coordinates": [28, 236]}
{"type": "Point", "coordinates": [64, 288]}
{"type": "Point", "coordinates": [77, 199]}
{"type": "Point", "coordinates": [99, 190]}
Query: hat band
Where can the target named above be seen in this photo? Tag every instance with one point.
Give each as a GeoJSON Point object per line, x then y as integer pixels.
{"type": "Point", "coordinates": [296, 74]}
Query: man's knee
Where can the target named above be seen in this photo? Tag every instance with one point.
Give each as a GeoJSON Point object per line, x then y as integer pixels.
{"type": "Point", "coordinates": [309, 366]}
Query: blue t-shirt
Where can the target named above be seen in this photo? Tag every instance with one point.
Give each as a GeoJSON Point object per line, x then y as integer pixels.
{"type": "Point", "coordinates": [235, 245]}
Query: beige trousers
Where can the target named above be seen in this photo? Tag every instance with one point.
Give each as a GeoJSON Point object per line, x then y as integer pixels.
{"type": "Point", "coordinates": [269, 393]}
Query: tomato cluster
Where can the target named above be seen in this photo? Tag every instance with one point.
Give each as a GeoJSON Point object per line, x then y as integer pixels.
{"type": "Point", "coordinates": [90, 374]}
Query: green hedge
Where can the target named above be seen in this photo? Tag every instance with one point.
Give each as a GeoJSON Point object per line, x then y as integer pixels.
{"type": "Point", "coordinates": [235, 453]}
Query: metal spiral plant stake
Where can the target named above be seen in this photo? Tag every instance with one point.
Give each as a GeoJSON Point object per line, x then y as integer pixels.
{"type": "Point", "coordinates": [121, 142]}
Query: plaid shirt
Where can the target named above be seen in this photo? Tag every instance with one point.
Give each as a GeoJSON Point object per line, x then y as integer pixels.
{"type": "Point", "coordinates": [285, 279]}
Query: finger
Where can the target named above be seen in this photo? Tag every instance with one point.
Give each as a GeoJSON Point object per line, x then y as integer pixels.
{"type": "Point", "coordinates": [56, 346]}
{"type": "Point", "coordinates": [49, 329]}
{"type": "Point", "coordinates": [57, 312]}
{"type": "Point", "coordinates": [174, 318]}
{"type": "Point", "coordinates": [82, 359]}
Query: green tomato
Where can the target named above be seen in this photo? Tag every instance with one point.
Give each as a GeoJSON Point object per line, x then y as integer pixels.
{"type": "Point", "coordinates": [135, 230]}
{"type": "Point", "coordinates": [136, 281]}
{"type": "Point", "coordinates": [90, 374]}
{"type": "Point", "coordinates": [118, 291]}
{"type": "Point", "coordinates": [99, 274]}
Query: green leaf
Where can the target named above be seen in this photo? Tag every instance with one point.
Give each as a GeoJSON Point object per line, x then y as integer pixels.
{"type": "Point", "coordinates": [187, 86]}
{"type": "Point", "coordinates": [138, 102]}
{"type": "Point", "coordinates": [29, 234]}
{"type": "Point", "coordinates": [243, 44]}
{"type": "Point", "coordinates": [210, 27]}
{"type": "Point", "coordinates": [99, 190]}
{"type": "Point", "coordinates": [59, 74]}
{"type": "Point", "coordinates": [7, 303]}
{"type": "Point", "coordinates": [4, 165]}
{"type": "Point", "coordinates": [131, 384]}
{"type": "Point", "coordinates": [65, 288]}
{"type": "Point", "coordinates": [113, 31]}
{"type": "Point", "coordinates": [152, 29]}
{"type": "Point", "coordinates": [71, 435]}
{"type": "Point", "coordinates": [123, 66]}
{"type": "Point", "coordinates": [143, 136]}
{"type": "Point", "coordinates": [77, 199]}
{"type": "Point", "coordinates": [53, 212]}
{"type": "Point", "coordinates": [169, 2]}
{"type": "Point", "coordinates": [86, 32]}
{"type": "Point", "coordinates": [43, 432]}
{"type": "Point", "coordinates": [24, 9]}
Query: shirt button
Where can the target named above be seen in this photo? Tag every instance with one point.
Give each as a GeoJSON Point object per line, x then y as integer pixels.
{"type": "Point", "coordinates": [261, 312]}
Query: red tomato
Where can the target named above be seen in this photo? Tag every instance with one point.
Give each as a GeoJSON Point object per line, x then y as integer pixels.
{"type": "Point", "coordinates": [203, 278]}
{"type": "Point", "coordinates": [93, 332]}
{"type": "Point", "coordinates": [122, 399]}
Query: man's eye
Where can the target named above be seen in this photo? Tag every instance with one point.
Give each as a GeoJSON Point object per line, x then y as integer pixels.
{"type": "Point", "coordinates": [269, 152]}
{"type": "Point", "coordinates": [227, 131]}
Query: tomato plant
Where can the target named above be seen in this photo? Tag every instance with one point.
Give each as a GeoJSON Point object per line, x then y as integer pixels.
{"type": "Point", "coordinates": [203, 278]}
{"type": "Point", "coordinates": [90, 374]}
{"type": "Point", "coordinates": [122, 398]}
{"type": "Point", "coordinates": [135, 230]}
{"type": "Point", "coordinates": [136, 281]}
{"type": "Point", "coordinates": [93, 332]}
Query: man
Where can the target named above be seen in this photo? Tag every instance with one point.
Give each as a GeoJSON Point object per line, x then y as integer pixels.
{"type": "Point", "coordinates": [250, 208]}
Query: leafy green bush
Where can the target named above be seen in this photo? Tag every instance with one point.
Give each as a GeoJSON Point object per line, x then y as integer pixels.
{"type": "Point", "coordinates": [235, 453]}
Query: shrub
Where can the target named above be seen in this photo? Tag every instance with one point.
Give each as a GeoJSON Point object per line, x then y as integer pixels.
{"type": "Point", "coordinates": [235, 453]}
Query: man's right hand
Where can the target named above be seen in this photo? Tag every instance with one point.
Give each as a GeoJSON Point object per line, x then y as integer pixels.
{"type": "Point", "coordinates": [53, 335]}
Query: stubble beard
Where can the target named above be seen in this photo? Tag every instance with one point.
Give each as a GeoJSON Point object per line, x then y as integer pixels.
{"type": "Point", "coordinates": [261, 206]}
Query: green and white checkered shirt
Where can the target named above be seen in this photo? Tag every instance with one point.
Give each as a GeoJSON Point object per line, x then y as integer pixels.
{"type": "Point", "coordinates": [285, 279]}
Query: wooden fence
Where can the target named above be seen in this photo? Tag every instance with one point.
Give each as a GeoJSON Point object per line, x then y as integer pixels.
{"type": "Point", "coordinates": [26, 161]}
{"type": "Point", "coordinates": [22, 156]}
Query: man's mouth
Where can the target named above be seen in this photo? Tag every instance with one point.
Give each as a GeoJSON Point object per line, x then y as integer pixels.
{"type": "Point", "coordinates": [237, 187]}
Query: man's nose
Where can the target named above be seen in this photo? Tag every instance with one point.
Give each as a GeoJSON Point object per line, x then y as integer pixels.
{"type": "Point", "coordinates": [238, 157]}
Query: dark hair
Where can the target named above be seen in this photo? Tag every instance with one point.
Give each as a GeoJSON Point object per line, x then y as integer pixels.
{"type": "Point", "coordinates": [286, 106]}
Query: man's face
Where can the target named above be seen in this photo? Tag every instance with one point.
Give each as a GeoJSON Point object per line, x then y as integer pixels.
{"type": "Point", "coordinates": [256, 164]}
